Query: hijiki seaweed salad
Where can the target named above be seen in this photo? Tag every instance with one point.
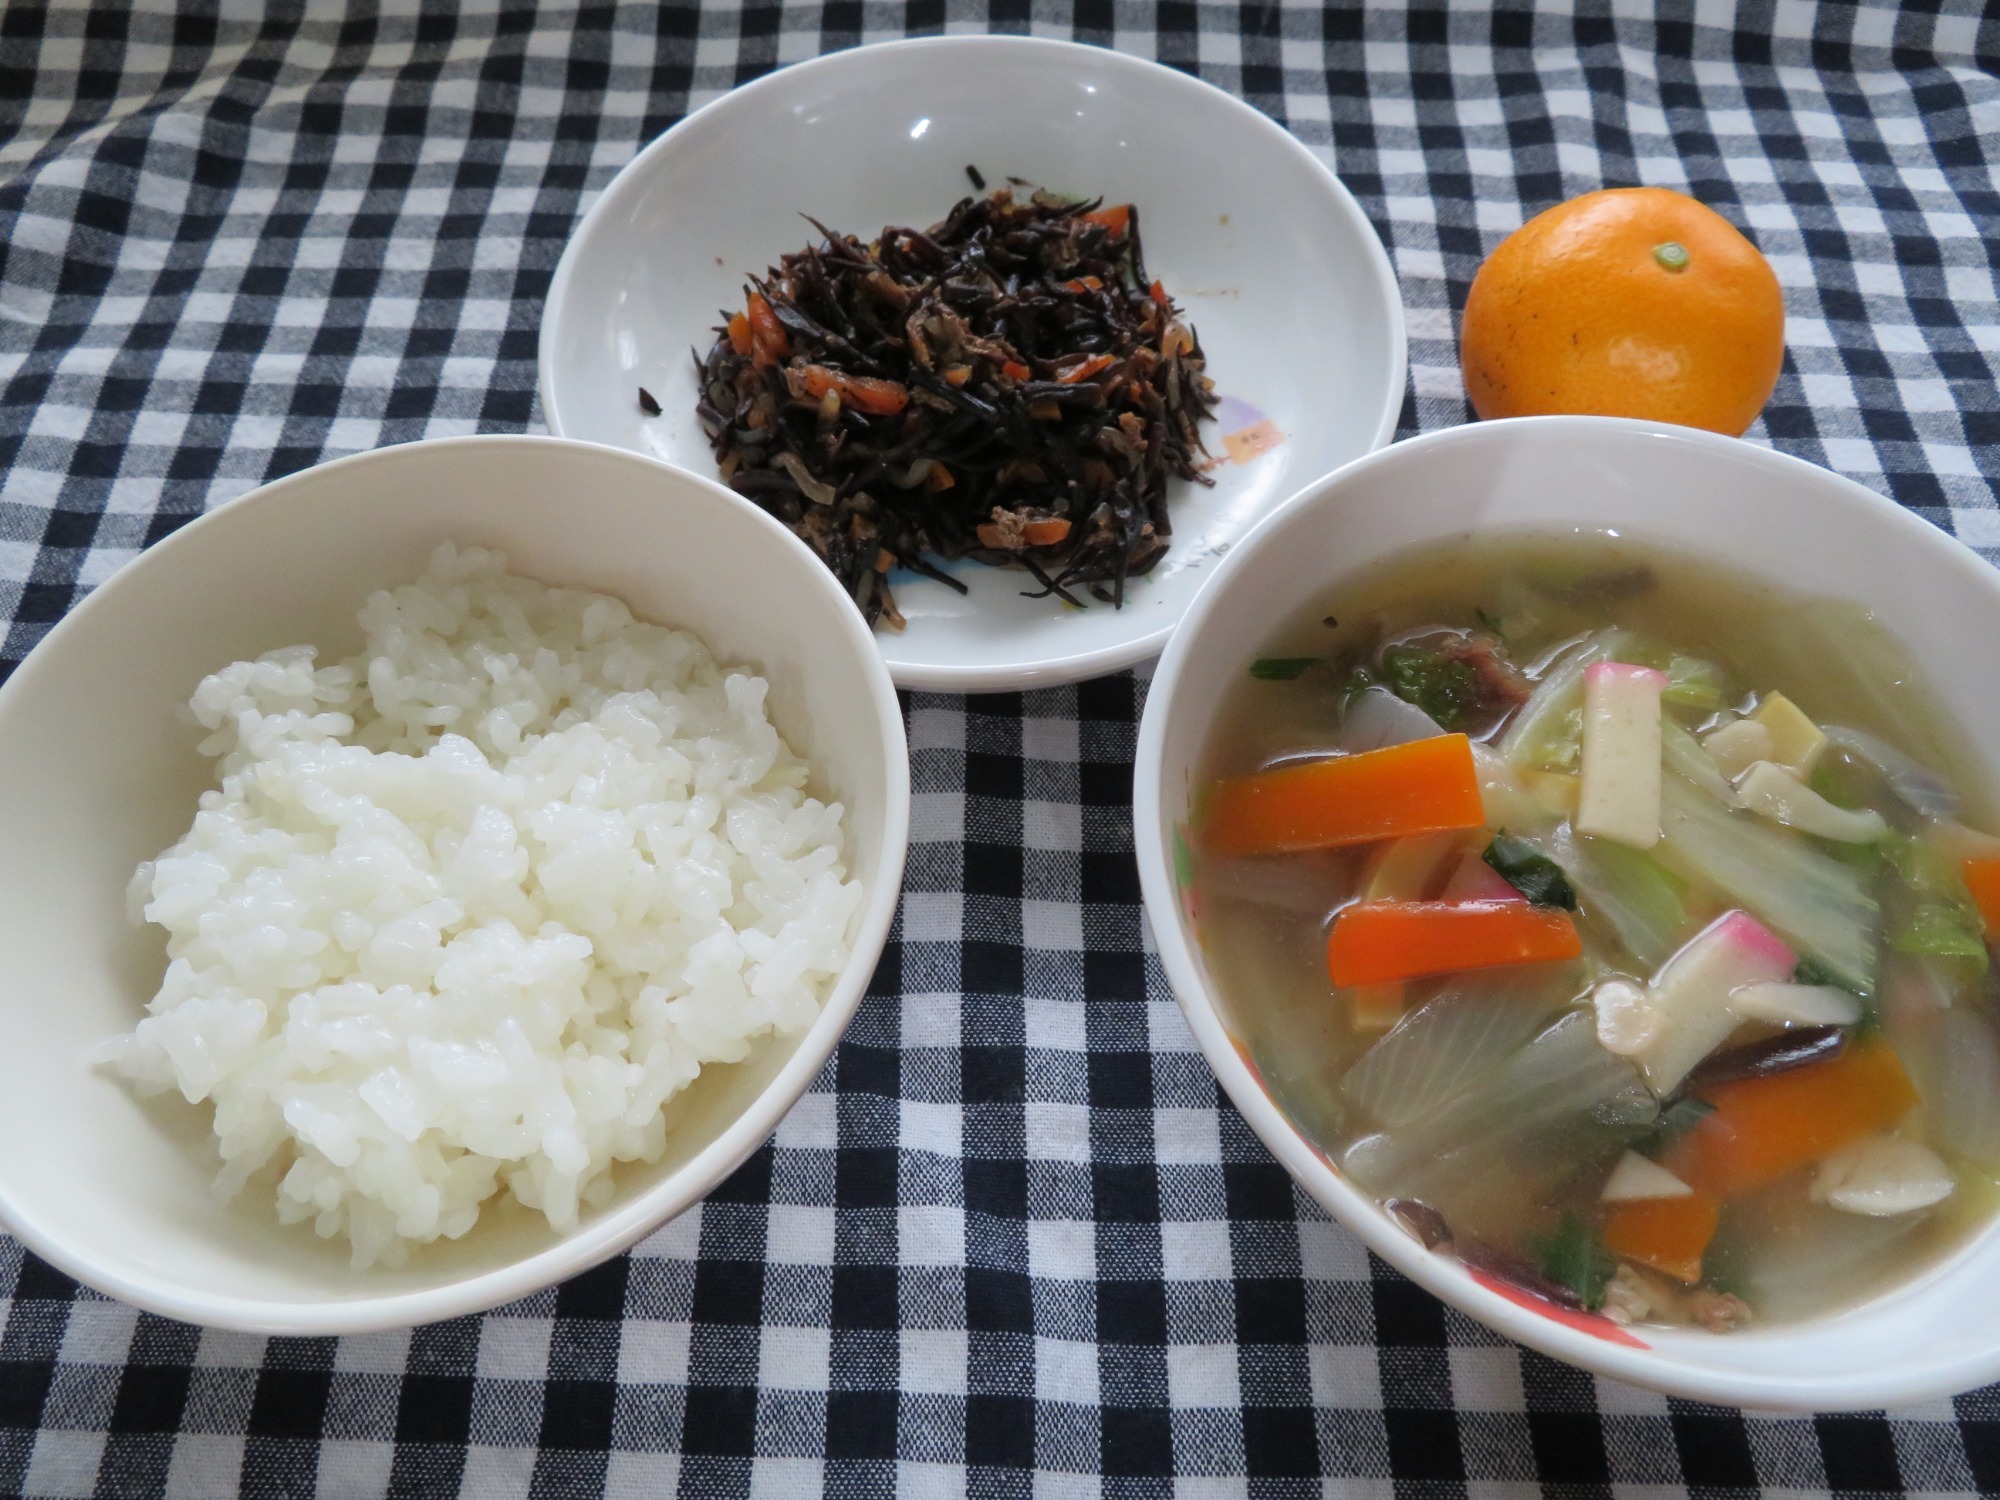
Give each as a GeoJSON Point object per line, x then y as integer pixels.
{"type": "Point", "coordinates": [1008, 385]}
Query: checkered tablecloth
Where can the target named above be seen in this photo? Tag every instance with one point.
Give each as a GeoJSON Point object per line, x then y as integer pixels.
{"type": "Point", "coordinates": [1014, 1242]}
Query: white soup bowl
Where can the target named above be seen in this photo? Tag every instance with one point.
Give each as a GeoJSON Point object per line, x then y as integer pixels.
{"type": "Point", "coordinates": [1804, 530]}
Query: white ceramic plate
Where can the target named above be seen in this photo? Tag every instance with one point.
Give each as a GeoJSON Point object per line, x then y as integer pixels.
{"type": "Point", "coordinates": [100, 773]}
{"type": "Point", "coordinates": [1810, 532]}
{"type": "Point", "coordinates": [1282, 274]}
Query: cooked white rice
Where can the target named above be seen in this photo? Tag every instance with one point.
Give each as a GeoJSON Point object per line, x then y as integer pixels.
{"type": "Point", "coordinates": [469, 908]}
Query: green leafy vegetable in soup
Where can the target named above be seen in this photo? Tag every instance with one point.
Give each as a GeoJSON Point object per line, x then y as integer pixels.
{"type": "Point", "coordinates": [1460, 680]}
{"type": "Point", "coordinates": [1571, 1256]}
{"type": "Point", "coordinates": [1530, 871]}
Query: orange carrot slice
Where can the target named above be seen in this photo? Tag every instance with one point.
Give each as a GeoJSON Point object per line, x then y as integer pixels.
{"type": "Point", "coordinates": [1013, 369]}
{"type": "Point", "coordinates": [1426, 786]}
{"type": "Point", "coordinates": [1764, 1128]}
{"type": "Point", "coordinates": [767, 335]}
{"type": "Point", "coordinates": [1045, 533]}
{"type": "Point", "coordinates": [739, 334]}
{"type": "Point", "coordinates": [1378, 941]}
{"type": "Point", "coordinates": [1668, 1234]}
{"type": "Point", "coordinates": [1096, 364]}
{"type": "Point", "coordinates": [881, 398]}
{"type": "Point", "coordinates": [1982, 878]}
{"type": "Point", "coordinates": [1117, 218]}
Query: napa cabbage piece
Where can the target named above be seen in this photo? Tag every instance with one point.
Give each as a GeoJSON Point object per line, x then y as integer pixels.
{"type": "Point", "coordinates": [1933, 913]}
{"type": "Point", "coordinates": [1642, 900]}
{"type": "Point", "coordinates": [1938, 931]}
{"type": "Point", "coordinates": [1823, 907]}
{"type": "Point", "coordinates": [1547, 731]}
{"type": "Point", "coordinates": [1694, 684]}
{"type": "Point", "coordinates": [1871, 678]}
{"type": "Point", "coordinates": [1444, 1046]}
{"type": "Point", "coordinates": [1867, 668]}
{"type": "Point", "coordinates": [1948, 1046]}
{"type": "Point", "coordinates": [1921, 788]}
{"type": "Point", "coordinates": [1562, 1081]}
{"type": "Point", "coordinates": [1801, 1259]}
{"type": "Point", "coordinates": [1685, 756]}
{"type": "Point", "coordinates": [1506, 798]}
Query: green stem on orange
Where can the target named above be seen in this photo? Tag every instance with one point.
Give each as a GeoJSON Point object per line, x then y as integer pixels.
{"type": "Point", "coordinates": [1672, 255]}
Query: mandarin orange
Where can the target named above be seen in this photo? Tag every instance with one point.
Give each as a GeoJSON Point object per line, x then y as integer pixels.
{"type": "Point", "coordinates": [1628, 302]}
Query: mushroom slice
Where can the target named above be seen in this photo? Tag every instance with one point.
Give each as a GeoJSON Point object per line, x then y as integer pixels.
{"type": "Point", "coordinates": [1882, 1175]}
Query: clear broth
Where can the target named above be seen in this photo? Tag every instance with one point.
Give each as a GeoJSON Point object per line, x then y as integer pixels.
{"type": "Point", "coordinates": [1264, 943]}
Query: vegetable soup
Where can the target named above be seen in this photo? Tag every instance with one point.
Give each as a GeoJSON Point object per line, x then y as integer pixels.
{"type": "Point", "coordinates": [1620, 922]}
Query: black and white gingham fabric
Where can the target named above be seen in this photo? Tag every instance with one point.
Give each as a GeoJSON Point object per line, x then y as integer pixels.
{"type": "Point", "coordinates": [1013, 1243]}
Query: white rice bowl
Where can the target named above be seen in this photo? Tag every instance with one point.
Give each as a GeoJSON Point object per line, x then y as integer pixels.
{"type": "Point", "coordinates": [471, 906]}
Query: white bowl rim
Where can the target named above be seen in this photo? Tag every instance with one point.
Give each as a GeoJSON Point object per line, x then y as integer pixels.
{"type": "Point", "coordinates": [1073, 666]}
{"type": "Point", "coordinates": [630, 1222]}
{"type": "Point", "coordinates": [1356, 1211]}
